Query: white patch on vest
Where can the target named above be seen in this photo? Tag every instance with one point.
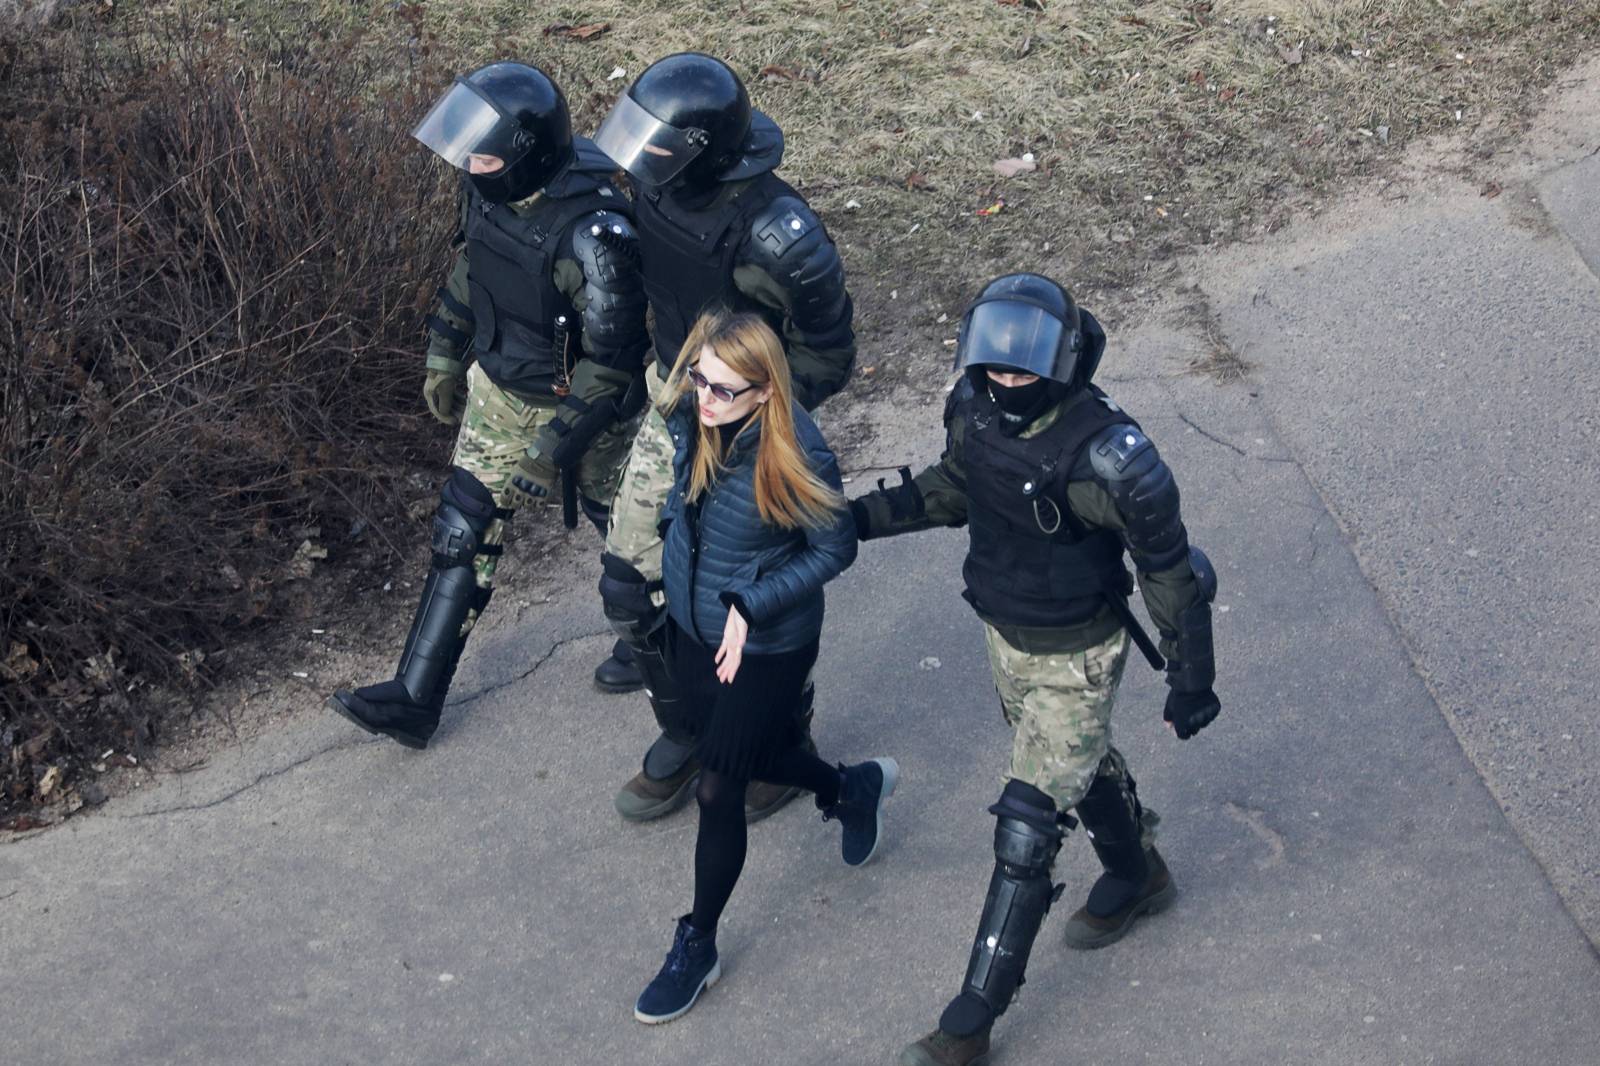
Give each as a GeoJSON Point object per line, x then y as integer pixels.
{"type": "Point", "coordinates": [795, 224]}
{"type": "Point", "coordinates": [595, 230]}
{"type": "Point", "coordinates": [1131, 440]}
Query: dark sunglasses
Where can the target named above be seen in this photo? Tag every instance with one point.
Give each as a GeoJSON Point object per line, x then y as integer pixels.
{"type": "Point", "coordinates": [721, 392]}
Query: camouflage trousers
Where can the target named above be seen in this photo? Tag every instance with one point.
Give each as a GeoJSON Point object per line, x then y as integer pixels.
{"type": "Point", "coordinates": [1059, 706]}
{"type": "Point", "coordinates": [633, 533]}
{"type": "Point", "coordinates": [497, 428]}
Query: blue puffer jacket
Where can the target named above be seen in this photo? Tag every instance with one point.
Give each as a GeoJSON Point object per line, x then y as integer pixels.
{"type": "Point", "coordinates": [722, 546]}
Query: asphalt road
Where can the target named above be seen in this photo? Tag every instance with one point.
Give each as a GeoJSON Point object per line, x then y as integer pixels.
{"type": "Point", "coordinates": [1352, 892]}
{"type": "Point", "coordinates": [1430, 355]}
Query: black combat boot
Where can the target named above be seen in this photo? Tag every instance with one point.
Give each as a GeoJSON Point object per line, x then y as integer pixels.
{"type": "Point", "coordinates": [407, 708]}
{"type": "Point", "coordinates": [939, 1048]}
{"type": "Point", "coordinates": [1135, 881]}
{"type": "Point", "coordinates": [620, 672]}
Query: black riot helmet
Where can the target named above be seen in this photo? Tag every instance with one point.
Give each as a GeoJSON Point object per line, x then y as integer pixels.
{"type": "Point", "coordinates": [509, 110]}
{"type": "Point", "coordinates": [1028, 324]}
{"type": "Point", "coordinates": [688, 119]}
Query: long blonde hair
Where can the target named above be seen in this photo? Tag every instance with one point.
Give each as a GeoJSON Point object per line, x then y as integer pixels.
{"type": "Point", "coordinates": [788, 493]}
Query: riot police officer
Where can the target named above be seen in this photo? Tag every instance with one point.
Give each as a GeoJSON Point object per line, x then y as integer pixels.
{"type": "Point", "coordinates": [1055, 483]}
{"type": "Point", "coordinates": [717, 228]}
{"type": "Point", "coordinates": [543, 315]}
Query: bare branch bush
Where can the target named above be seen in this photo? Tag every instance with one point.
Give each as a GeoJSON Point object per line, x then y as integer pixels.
{"type": "Point", "coordinates": [212, 264]}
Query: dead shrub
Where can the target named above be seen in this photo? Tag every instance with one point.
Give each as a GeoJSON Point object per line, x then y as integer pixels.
{"type": "Point", "coordinates": [214, 258]}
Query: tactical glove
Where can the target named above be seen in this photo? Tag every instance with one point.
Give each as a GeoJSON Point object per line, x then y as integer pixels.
{"type": "Point", "coordinates": [535, 477]}
{"type": "Point", "coordinates": [439, 389]}
{"type": "Point", "coordinates": [1190, 712]}
{"type": "Point", "coordinates": [862, 519]}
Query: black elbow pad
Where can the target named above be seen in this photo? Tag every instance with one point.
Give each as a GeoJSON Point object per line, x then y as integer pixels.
{"type": "Point", "coordinates": [606, 248]}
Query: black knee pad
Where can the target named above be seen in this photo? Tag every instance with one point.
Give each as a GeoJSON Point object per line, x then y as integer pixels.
{"type": "Point", "coordinates": [467, 494]}
{"type": "Point", "coordinates": [1028, 829]}
{"type": "Point", "coordinates": [466, 507]}
{"type": "Point", "coordinates": [625, 595]}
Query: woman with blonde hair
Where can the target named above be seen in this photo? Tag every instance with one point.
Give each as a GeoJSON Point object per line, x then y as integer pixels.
{"type": "Point", "coordinates": [755, 525]}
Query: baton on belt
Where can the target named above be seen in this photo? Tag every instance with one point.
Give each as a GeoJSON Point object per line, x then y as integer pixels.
{"type": "Point", "coordinates": [562, 386]}
{"type": "Point", "coordinates": [1120, 608]}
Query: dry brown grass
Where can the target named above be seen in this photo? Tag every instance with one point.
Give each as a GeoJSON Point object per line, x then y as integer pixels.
{"type": "Point", "coordinates": [1156, 124]}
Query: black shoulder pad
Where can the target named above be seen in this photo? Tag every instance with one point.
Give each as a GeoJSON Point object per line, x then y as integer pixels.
{"type": "Point", "coordinates": [780, 227]}
{"type": "Point", "coordinates": [1145, 493]}
{"type": "Point", "coordinates": [1121, 453]}
{"type": "Point", "coordinates": [606, 246]}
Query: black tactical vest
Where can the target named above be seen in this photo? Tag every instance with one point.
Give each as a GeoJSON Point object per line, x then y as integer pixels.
{"type": "Point", "coordinates": [511, 258]}
{"type": "Point", "coordinates": [1032, 562]}
{"type": "Point", "coordinates": [688, 257]}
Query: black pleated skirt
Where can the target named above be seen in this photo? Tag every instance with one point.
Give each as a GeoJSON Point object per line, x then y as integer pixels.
{"type": "Point", "coordinates": [742, 726]}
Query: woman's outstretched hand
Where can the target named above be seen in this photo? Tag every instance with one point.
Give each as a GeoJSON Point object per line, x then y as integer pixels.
{"type": "Point", "coordinates": [732, 650]}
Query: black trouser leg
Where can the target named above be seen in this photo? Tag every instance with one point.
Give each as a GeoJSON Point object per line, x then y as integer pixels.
{"type": "Point", "coordinates": [1111, 815]}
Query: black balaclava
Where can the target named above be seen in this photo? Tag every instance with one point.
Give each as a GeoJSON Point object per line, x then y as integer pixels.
{"type": "Point", "coordinates": [1021, 404]}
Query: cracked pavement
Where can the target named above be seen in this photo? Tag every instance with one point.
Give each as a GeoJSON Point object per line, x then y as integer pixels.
{"type": "Point", "coordinates": [1351, 891]}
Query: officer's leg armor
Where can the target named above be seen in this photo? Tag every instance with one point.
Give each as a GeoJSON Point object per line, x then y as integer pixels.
{"type": "Point", "coordinates": [465, 510]}
{"type": "Point", "coordinates": [620, 672]}
{"type": "Point", "coordinates": [641, 625]}
{"type": "Point", "coordinates": [1027, 836]}
{"type": "Point", "coordinates": [1113, 818]}
{"type": "Point", "coordinates": [407, 708]}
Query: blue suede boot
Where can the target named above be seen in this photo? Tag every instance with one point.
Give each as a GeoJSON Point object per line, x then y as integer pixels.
{"type": "Point", "coordinates": [692, 967]}
{"type": "Point", "coordinates": [863, 789]}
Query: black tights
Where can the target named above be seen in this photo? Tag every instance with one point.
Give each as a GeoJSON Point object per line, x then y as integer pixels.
{"type": "Point", "coordinates": [719, 849]}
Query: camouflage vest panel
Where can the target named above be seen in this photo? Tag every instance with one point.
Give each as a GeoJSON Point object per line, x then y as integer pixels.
{"type": "Point", "coordinates": [1031, 561]}
{"type": "Point", "coordinates": [510, 272]}
{"type": "Point", "coordinates": [689, 255]}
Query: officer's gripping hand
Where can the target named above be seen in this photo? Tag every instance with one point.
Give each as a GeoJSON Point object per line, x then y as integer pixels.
{"type": "Point", "coordinates": [1190, 712]}
{"type": "Point", "coordinates": [862, 519]}
{"type": "Point", "coordinates": [535, 477]}
{"type": "Point", "coordinates": [439, 388]}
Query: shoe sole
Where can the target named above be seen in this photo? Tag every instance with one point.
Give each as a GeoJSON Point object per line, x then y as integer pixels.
{"type": "Point", "coordinates": [407, 740]}
{"type": "Point", "coordinates": [662, 809]}
{"type": "Point", "coordinates": [1154, 905]}
{"type": "Point", "coordinates": [914, 1056]}
{"type": "Point", "coordinates": [662, 1019]}
{"type": "Point", "coordinates": [617, 690]}
{"type": "Point", "coordinates": [891, 777]}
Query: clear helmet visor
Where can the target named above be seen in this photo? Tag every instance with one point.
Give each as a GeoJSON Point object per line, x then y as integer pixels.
{"type": "Point", "coordinates": [1011, 334]}
{"type": "Point", "coordinates": [644, 146]}
{"type": "Point", "coordinates": [462, 124]}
